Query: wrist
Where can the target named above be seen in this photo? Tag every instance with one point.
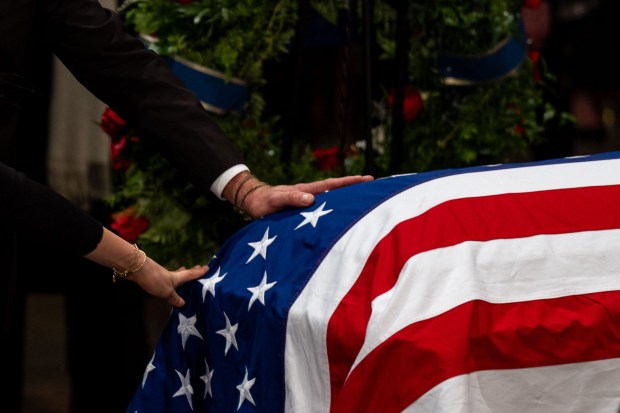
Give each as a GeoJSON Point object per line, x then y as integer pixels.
{"type": "Point", "coordinates": [242, 207]}
{"type": "Point", "coordinates": [129, 266]}
{"type": "Point", "coordinates": [233, 187]}
{"type": "Point", "coordinates": [238, 191]}
{"type": "Point", "coordinates": [242, 190]}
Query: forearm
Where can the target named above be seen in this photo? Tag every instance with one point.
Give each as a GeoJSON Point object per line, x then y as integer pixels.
{"type": "Point", "coordinates": [114, 252]}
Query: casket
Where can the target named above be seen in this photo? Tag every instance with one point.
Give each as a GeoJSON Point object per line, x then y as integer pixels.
{"type": "Point", "coordinates": [485, 289]}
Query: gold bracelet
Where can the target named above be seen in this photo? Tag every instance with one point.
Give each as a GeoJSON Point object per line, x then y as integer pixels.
{"type": "Point", "coordinates": [247, 178]}
{"type": "Point", "coordinates": [129, 271]}
{"type": "Point", "coordinates": [240, 209]}
{"type": "Point", "coordinates": [135, 257]}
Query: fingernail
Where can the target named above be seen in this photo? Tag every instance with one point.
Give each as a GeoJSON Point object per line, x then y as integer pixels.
{"type": "Point", "coordinates": [306, 198]}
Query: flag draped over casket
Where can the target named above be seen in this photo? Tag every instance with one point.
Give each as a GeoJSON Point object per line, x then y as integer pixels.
{"type": "Point", "coordinates": [486, 289]}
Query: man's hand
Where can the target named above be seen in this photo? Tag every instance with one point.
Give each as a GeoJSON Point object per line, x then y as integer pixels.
{"type": "Point", "coordinates": [256, 199]}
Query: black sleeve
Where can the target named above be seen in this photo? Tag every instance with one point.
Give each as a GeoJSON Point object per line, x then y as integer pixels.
{"type": "Point", "coordinates": [138, 85]}
{"type": "Point", "coordinates": [34, 212]}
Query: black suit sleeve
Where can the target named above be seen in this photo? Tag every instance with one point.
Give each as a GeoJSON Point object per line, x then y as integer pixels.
{"type": "Point", "coordinates": [34, 212]}
{"type": "Point", "coordinates": [137, 84]}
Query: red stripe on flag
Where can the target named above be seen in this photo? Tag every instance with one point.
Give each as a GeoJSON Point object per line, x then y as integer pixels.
{"type": "Point", "coordinates": [512, 215]}
{"type": "Point", "coordinates": [479, 336]}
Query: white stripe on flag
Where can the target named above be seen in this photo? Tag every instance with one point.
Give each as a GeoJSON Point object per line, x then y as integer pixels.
{"type": "Point", "coordinates": [306, 361]}
{"type": "Point", "coordinates": [566, 388]}
{"type": "Point", "coordinates": [499, 271]}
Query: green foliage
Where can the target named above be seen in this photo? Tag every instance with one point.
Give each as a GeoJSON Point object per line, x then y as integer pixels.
{"type": "Point", "coordinates": [458, 126]}
{"type": "Point", "coordinates": [464, 125]}
{"type": "Point", "coordinates": [474, 125]}
{"type": "Point", "coordinates": [462, 26]}
{"type": "Point", "coordinates": [234, 37]}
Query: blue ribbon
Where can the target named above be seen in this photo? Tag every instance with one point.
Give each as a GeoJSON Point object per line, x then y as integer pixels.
{"type": "Point", "coordinates": [496, 64]}
{"type": "Point", "coordinates": [217, 94]}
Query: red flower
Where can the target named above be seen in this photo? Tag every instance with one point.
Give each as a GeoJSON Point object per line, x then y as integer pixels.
{"type": "Point", "coordinates": [519, 130]}
{"type": "Point", "coordinates": [116, 148]}
{"type": "Point", "coordinates": [128, 225]}
{"type": "Point", "coordinates": [112, 124]}
{"type": "Point", "coordinates": [117, 129]}
{"type": "Point", "coordinates": [412, 103]}
{"type": "Point", "coordinates": [534, 56]}
{"type": "Point", "coordinates": [532, 4]}
{"type": "Point", "coordinates": [327, 158]}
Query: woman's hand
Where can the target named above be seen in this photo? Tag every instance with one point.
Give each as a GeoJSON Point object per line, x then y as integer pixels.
{"type": "Point", "coordinates": [162, 283]}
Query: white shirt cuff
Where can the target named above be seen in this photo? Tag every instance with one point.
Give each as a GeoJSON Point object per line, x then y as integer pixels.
{"type": "Point", "coordinates": [217, 187]}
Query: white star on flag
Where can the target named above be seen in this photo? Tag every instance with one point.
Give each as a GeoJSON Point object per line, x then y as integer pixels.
{"type": "Point", "coordinates": [312, 217]}
{"type": "Point", "coordinates": [206, 378]}
{"type": "Point", "coordinates": [186, 388]}
{"type": "Point", "coordinates": [244, 390]}
{"type": "Point", "coordinates": [149, 368]}
{"type": "Point", "coordinates": [258, 292]}
{"type": "Point", "coordinates": [187, 328]}
{"type": "Point", "coordinates": [260, 247]}
{"type": "Point", "coordinates": [229, 334]}
{"type": "Point", "coordinates": [209, 283]}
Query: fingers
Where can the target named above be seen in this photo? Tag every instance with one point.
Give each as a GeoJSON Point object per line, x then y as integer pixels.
{"type": "Point", "coordinates": [180, 277]}
{"type": "Point", "coordinates": [183, 276]}
{"type": "Point", "coordinates": [195, 266]}
{"type": "Point", "coordinates": [301, 199]}
{"type": "Point", "coordinates": [332, 183]}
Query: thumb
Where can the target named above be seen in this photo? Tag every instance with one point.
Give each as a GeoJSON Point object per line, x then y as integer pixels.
{"type": "Point", "coordinates": [306, 199]}
{"type": "Point", "coordinates": [176, 300]}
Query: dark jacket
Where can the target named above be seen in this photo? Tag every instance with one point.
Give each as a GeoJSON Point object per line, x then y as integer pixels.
{"type": "Point", "coordinates": [36, 213]}
{"type": "Point", "coordinates": [115, 66]}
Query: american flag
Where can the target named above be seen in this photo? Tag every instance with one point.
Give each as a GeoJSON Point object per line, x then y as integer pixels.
{"type": "Point", "coordinates": [485, 289]}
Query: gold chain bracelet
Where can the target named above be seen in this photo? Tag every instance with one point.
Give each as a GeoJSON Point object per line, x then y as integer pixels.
{"type": "Point", "coordinates": [129, 271]}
